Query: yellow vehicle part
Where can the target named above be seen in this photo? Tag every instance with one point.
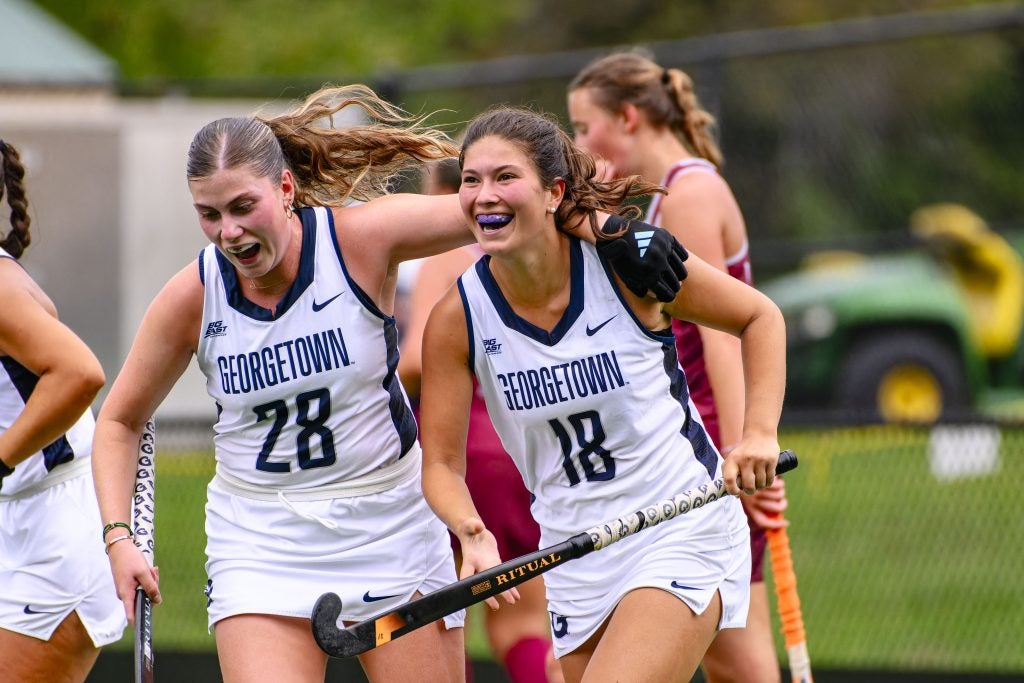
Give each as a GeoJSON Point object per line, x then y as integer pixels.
{"type": "Point", "coordinates": [909, 393]}
{"type": "Point", "coordinates": [988, 270]}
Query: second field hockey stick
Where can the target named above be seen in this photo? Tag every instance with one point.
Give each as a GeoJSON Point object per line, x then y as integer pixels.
{"type": "Point", "coordinates": [385, 627]}
{"type": "Point", "coordinates": [142, 521]}
{"type": "Point", "coordinates": [789, 606]}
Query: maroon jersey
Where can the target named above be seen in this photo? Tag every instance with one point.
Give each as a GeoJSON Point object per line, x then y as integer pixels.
{"type": "Point", "coordinates": [691, 350]}
{"type": "Point", "coordinates": [688, 342]}
{"type": "Point", "coordinates": [481, 440]}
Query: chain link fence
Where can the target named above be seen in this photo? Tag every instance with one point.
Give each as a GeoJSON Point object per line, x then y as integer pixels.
{"type": "Point", "coordinates": [832, 133]}
{"type": "Point", "coordinates": [906, 540]}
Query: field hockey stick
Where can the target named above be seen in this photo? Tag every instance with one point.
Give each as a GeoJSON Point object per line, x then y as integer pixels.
{"type": "Point", "coordinates": [789, 606]}
{"type": "Point", "coordinates": [386, 626]}
{"type": "Point", "coordinates": [142, 521]}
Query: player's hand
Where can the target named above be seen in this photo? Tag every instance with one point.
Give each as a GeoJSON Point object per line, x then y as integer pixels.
{"type": "Point", "coordinates": [480, 552]}
{"type": "Point", "coordinates": [750, 466]}
{"type": "Point", "coordinates": [131, 570]}
{"type": "Point", "coordinates": [767, 505]}
{"type": "Point", "coordinates": [645, 257]}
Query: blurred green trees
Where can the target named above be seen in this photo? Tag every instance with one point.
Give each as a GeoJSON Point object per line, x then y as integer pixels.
{"type": "Point", "coordinates": [189, 39]}
{"type": "Point", "coordinates": [837, 140]}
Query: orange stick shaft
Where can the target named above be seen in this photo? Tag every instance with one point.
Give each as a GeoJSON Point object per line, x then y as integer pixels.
{"type": "Point", "coordinates": [789, 606]}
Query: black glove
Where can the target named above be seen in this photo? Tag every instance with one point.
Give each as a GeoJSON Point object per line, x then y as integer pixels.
{"type": "Point", "coordinates": [4, 471]}
{"type": "Point", "coordinates": [645, 257]}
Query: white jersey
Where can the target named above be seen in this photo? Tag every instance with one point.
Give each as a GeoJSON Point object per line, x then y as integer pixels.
{"type": "Point", "coordinates": [596, 413]}
{"type": "Point", "coordinates": [309, 396]}
{"type": "Point", "coordinates": [49, 465]}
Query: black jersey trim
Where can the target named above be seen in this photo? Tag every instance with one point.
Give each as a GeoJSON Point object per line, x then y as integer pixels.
{"type": "Point", "coordinates": [365, 300]}
{"type": "Point", "coordinates": [304, 278]}
{"type": "Point", "coordinates": [512, 320]}
{"type": "Point", "coordinates": [401, 412]}
{"type": "Point", "coordinates": [402, 416]}
{"type": "Point", "coordinates": [691, 429]}
{"type": "Point", "coordinates": [24, 380]}
{"type": "Point", "coordinates": [471, 359]}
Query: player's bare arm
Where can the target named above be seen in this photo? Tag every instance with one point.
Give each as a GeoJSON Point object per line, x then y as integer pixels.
{"type": "Point", "coordinates": [447, 392]}
{"type": "Point", "coordinates": [714, 298]}
{"type": "Point", "coordinates": [699, 210]}
{"type": "Point", "coordinates": [69, 374]}
{"type": "Point", "coordinates": [435, 276]}
{"type": "Point", "coordinates": [162, 349]}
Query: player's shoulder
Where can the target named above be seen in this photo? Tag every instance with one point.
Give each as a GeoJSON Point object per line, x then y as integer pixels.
{"type": "Point", "coordinates": [450, 311]}
{"type": "Point", "coordinates": [450, 306]}
{"type": "Point", "coordinates": [183, 292]}
{"type": "Point", "coordinates": [368, 229]}
{"type": "Point", "coordinates": [20, 291]}
{"type": "Point", "coordinates": [447, 326]}
{"type": "Point", "coordinates": [12, 272]}
{"type": "Point", "coordinates": [703, 190]}
{"type": "Point", "coordinates": [697, 180]}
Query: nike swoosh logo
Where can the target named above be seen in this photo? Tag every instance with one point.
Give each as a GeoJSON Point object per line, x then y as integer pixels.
{"type": "Point", "coordinates": [676, 584]}
{"type": "Point", "coordinates": [374, 598]}
{"type": "Point", "coordinates": [28, 610]}
{"type": "Point", "coordinates": [320, 307]}
{"type": "Point", "coordinates": [591, 331]}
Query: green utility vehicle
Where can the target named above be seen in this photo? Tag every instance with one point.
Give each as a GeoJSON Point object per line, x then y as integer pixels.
{"type": "Point", "coordinates": [910, 336]}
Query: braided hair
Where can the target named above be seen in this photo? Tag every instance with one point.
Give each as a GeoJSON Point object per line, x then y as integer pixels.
{"type": "Point", "coordinates": [12, 177]}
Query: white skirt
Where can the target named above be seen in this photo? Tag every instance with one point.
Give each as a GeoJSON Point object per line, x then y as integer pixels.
{"type": "Point", "coordinates": [52, 563]}
{"type": "Point", "coordinates": [671, 557]}
{"type": "Point", "coordinates": [278, 556]}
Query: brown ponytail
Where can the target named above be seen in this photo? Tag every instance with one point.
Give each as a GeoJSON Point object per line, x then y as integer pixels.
{"type": "Point", "coordinates": [331, 165]}
{"type": "Point", "coordinates": [12, 177]}
{"type": "Point", "coordinates": [665, 95]}
{"type": "Point", "coordinates": [697, 123]}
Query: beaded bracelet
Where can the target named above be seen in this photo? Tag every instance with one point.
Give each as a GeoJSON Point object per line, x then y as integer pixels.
{"type": "Point", "coordinates": [113, 525]}
{"type": "Point", "coordinates": [115, 540]}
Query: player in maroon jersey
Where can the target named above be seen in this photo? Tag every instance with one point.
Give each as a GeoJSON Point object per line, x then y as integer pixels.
{"type": "Point", "coordinates": [641, 118]}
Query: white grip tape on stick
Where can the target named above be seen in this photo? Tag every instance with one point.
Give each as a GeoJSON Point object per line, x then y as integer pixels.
{"type": "Point", "coordinates": [610, 532]}
{"type": "Point", "coordinates": [142, 503]}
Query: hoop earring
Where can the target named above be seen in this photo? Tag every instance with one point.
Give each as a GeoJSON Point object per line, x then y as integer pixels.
{"type": "Point", "coordinates": [288, 211]}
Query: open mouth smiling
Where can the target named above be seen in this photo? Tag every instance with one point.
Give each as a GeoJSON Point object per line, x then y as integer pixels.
{"type": "Point", "coordinates": [490, 222]}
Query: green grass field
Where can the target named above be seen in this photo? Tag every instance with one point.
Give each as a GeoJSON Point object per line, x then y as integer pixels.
{"type": "Point", "coordinates": [896, 569]}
